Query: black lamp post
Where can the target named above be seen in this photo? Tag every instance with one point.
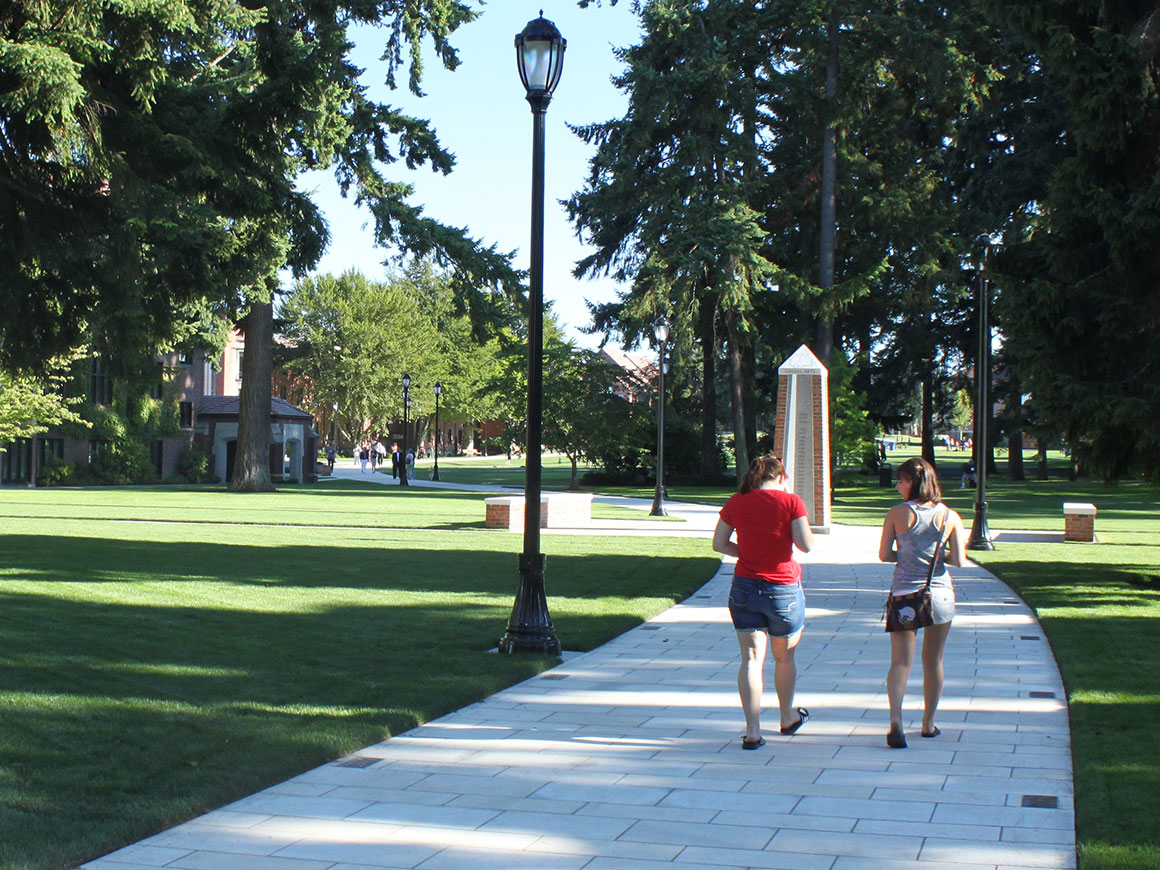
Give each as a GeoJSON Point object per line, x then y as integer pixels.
{"type": "Point", "coordinates": [334, 426]}
{"type": "Point", "coordinates": [406, 405]}
{"type": "Point", "coordinates": [435, 446]}
{"type": "Point", "coordinates": [981, 535]}
{"type": "Point", "coordinates": [661, 333]}
{"type": "Point", "coordinates": [540, 59]}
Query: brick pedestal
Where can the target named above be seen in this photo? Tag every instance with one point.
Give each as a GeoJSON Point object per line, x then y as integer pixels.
{"type": "Point", "coordinates": [1079, 522]}
{"type": "Point", "coordinates": [558, 510]}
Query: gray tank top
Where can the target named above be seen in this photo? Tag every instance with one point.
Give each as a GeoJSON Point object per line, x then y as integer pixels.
{"type": "Point", "coordinates": [916, 548]}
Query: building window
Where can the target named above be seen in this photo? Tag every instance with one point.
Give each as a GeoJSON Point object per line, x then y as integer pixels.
{"type": "Point", "coordinates": [240, 355]}
{"type": "Point", "coordinates": [184, 358]}
{"type": "Point", "coordinates": [98, 448]}
{"type": "Point", "coordinates": [100, 383]}
{"type": "Point", "coordinates": [50, 448]}
{"type": "Point", "coordinates": [186, 415]}
{"type": "Point", "coordinates": [159, 384]}
{"type": "Point", "coordinates": [16, 461]}
{"type": "Point", "coordinates": [157, 455]}
{"type": "Point", "coordinates": [208, 378]}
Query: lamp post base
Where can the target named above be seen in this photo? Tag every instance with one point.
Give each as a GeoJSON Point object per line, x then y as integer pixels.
{"type": "Point", "coordinates": [658, 508]}
{"type": "Point", "coordinates": [980, 538]}
{"type": "Point", "coordinates": [530, 630]}
{"type": "Point", "coordinates": [435, 473]}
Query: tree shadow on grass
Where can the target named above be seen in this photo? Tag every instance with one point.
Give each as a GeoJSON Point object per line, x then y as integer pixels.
{"type": "Point", "coordinates": [120, 718]}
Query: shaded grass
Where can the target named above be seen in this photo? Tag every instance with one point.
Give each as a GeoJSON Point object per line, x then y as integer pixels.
{"type": "Point", "coordinates": [152, 671]}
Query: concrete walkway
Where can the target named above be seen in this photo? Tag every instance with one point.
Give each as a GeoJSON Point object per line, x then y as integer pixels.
{"type": "Point", "coordinates": [629, 756]}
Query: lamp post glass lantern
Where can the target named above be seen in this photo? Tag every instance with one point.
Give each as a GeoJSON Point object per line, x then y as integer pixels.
{"type": "Point", "coordinates": [540, 61]}
{"type": "Point", "coordinates": [406, 404]}
{"type": "Point", "coordinates": [435, 445]}
{"type": "Point", "coordinates": [661, 334]}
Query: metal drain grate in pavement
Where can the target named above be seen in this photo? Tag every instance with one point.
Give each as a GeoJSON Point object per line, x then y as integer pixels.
{"type": "Point", "coordinates": [1041, 801]}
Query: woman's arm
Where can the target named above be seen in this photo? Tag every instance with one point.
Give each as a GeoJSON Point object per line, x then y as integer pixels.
{"type": "Point", "coordinates": [721, 536]}
{"type": "Point", "coordinates": [803, 535]}
{"type": "Point", "coordinates": [957, 546]}
{"type": "Point", "coordinates": [886, 551]}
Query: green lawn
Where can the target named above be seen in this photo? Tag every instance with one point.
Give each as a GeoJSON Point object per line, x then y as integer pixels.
{"type": "Point", "coordinates": [167, 650]}
{"type": "Point", "coordinates": [1099, 605]}
{"type": "Point", "coordinates": [146, 674]}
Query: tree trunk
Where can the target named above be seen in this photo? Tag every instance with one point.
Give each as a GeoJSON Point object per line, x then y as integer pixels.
{"type": "Point", "coordinates": [736, 395]}
{"type": "Point", "coordinates": [927, 433]}
{"type": "Point", "coordinates": [1015, 437]}
{"type": "Point", "coordinates": [1041, 458]}
{"type": "Point", "coordinates": [575, 484]}
{"type": "Point", "coordinates": [252, 460]}
{"type": "Point", "coordinates": [749, 394]}
{"type": "Point", "coordinates": [708, 336]}
{"type": "Point", "coordinates": [829, 217]}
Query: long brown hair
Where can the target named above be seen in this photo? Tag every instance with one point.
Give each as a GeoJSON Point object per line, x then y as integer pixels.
{"type": "Point", "coordinates": [923, 480]}
{"type": "Point", "coordinates": [760, 470]}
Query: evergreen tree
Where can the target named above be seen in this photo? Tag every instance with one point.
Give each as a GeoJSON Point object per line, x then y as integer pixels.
{"type": "Point", "coordinates": [1081, 308]}
{"type": "Point", "coordinates": [151, 152]}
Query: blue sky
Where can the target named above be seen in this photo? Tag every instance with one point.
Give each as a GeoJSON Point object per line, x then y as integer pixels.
{"type": "Point", "coordinates": [481, 116]}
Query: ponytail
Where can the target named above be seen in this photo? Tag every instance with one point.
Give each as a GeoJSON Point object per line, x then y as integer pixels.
{"type": "Point", "coordinates": [923, 480]}
{"type": "Point", "coordinates": [760, 470]}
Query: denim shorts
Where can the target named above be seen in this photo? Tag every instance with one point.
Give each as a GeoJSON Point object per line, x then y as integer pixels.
{"type": "Point", "coordinates": [758, 605]}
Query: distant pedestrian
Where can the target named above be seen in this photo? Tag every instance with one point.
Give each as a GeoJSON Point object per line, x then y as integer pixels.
{"type": "Point", "coordinates": [395, 458]}
{"type": "Point", "coordinates": [766, 601]}
{"type": "Point", "coordinates": [363, 455]}
{"type": "Point", "coordinates": [920, 527]}
{"type": "Point", "coordinates": [410, 464]}
{"type": "Point", "coordinates": [330, 455]}
{"type": "Point", "coordinates": [380, 452]}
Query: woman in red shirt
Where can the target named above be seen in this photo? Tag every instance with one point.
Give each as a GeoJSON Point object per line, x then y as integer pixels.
{"type": "Point", "coordinates": [766, 600]}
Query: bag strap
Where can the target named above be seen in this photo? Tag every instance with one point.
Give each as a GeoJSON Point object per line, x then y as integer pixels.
{"type": "Point", "coordinates": [943, 538]}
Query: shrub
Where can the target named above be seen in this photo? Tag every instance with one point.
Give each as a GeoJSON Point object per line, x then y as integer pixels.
{"type": "Point", "coordinates": [56, 472]}
{"type": "Point", "coordinates": [124, 462]}
{"type": "Point", "coordinates": [193, 466]}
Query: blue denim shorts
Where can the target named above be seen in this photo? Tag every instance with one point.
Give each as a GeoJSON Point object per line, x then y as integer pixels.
{"type": "Point", "coordinates": [757, 605]}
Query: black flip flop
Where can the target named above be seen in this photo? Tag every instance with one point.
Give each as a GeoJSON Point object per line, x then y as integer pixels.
{"type": "Point", "coordinates": [803, 715]}
{"type": "Point", "coordinates": [753, 744]}
{"type": "Point", "coordinates": [933, 733]}
{"type": "Point", "coordinates": [896, 739]}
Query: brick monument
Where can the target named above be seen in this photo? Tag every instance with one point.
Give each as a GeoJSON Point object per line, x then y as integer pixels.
{"type": "Point", "coordinates": [801, 435]}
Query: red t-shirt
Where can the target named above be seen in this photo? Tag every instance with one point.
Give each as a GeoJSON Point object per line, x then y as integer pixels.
{"type": "Point", "coordinates": [763, 518]}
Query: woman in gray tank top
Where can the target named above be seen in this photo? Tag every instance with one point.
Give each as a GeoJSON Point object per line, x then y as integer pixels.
{"type": "Point", "coordinates": [910, 536]}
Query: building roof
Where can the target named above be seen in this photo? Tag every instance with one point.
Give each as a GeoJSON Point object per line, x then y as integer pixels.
{"type": "Point", "coordinates": [230, 406]}
{"type": "Point", "coordinates": [639, 368]}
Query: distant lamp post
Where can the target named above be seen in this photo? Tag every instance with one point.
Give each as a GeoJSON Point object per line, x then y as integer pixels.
{"type": "Point", "coordinates": [980, 538]}
{"type": "Point", "coordinates": [435, 446]}
{"type": "Point", "coordinates": [540, 60]}
{"type": "Point", "coordinates": [334, 424]}
{"type": "Point", "coordinates": [406, 406]}
{"type": "Point", "coordinates": [661, 333]}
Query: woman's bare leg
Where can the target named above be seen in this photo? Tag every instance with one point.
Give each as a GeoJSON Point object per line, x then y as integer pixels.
{"type": "Point", "coordinates": [901, 660]}
{"type": "Point", "coordinates": [934, 641]}
{"type": "Point", "coordinates": [751, 679]}
{"type": "Point", "coordinates": [785, 675]}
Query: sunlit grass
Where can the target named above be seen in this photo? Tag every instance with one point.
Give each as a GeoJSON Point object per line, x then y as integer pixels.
{"type": "Point", "coordinates": [150, 670]}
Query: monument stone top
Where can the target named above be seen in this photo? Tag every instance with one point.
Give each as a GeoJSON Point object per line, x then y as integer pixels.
{"type": "Point", "coordinates": [802, 362]}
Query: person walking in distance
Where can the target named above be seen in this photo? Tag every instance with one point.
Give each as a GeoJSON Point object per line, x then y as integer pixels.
{"type": "Point", "coordinates": [920, 528]}
{"type": "Point", "coordinates": [766, 601]}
